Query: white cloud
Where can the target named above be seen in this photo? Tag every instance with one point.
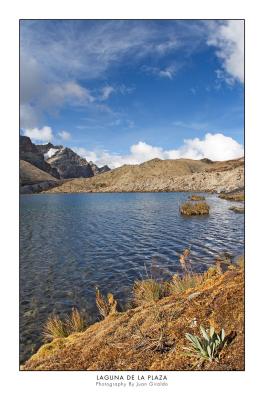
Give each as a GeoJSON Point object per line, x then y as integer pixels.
{"type": "Point", "coordinates": [228, 38]}
{"type": "Point", "coordinates": [166, 72]}
{"type": "Point", "coordinates": [216, 147]}
{"type": "Point", "coordinates": [42, 135]}
{"type": "Point", "coordinates": [106, 92]}
{"type": "Point", "coordinates": [64, 135]}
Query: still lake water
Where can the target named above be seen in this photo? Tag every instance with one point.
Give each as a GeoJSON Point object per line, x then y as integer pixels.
{"type": "Point", "coordinates": [71, 242]}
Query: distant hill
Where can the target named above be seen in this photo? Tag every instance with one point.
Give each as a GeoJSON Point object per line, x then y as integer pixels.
{"type": "Point", "coordinates": [30, 175]}
{"type": "Point", "coordinates": [164, 175]}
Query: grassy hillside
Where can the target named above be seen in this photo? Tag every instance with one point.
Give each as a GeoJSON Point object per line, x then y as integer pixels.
{"type": "Point", "coordinates": [152, 336]}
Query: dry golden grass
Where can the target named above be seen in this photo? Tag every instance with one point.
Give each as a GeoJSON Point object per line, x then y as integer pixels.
{"type": "Point", "coordinates": [75, 322]}
{"type": "Point", "coordinates": [56, 328]}
{"type": "Point", "coordinates": [201, 208]}
{"type": "Point", "coordinates": [105, 306]}
{"type": "Point", "coordinates": [239, 196]}
{"type": "Point", "coordinates": [148, 290]}
{"type": "Point", "coordinates": [179, 284]}
{"type": "Point", "coordinates": [196, 197]}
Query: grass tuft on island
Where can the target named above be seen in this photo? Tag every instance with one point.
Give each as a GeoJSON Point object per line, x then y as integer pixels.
{"type": "Point", "coordinates": [164, 329]}
{"type": "Point", "coordinates": [200, 208]}
{"type": "Point", "coordinates": [196, 197]}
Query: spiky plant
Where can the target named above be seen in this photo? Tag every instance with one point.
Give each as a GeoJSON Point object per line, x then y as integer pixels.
{"type": "Point", "coordinates": [208, 347]}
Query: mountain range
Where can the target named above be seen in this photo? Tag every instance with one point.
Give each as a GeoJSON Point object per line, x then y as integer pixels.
{"type": "Point", "coordinates": [59, 169]}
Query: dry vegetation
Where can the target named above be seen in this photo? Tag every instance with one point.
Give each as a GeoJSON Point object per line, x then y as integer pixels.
{"type": "Point", "coordinates": [238, 196]}
{"type": "Point", "coordinates": [167, 318]}
{"type": "Point", "coordinates": [201, 208]}
{"type": "Point", "coordinates": [58, 328]}
{"type": "Point", "coordinates": [196, 197]}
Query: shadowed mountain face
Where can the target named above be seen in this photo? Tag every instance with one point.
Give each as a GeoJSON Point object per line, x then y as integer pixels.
{"type": "Point", "coordinates": [44, 148]}
{"type": "Point", "coordinates": [58, 161]}
{"type": "Point", "coordinates": [69, 164]}
{"type": "Point", "coordinates": [29, 152]}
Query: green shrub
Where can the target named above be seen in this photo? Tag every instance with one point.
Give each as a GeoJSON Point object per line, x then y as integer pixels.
{"type": "Point", "coordinates": [208, 347]}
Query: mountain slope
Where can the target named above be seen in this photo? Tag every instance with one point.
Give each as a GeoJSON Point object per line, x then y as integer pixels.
{"type": "Point", "coordinates": [29, 174]}
{"type": "Point", "coordinates": [29, 152]}
{"type": "Point", "coordinates": [164, 175]}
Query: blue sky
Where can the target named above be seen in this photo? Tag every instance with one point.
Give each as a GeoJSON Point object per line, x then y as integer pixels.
{"type": "Point", "coordinates": [127, 91]}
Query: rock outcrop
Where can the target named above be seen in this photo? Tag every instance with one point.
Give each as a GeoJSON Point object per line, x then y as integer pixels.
{"type": "Point", "coordinates": [69, 164]}
{"type": "Point", "coordinates": [98, 170]}
{"type": "Point", "coordinates": [29, 152]}
{"type": "Point", "coordinates": [58, 161]}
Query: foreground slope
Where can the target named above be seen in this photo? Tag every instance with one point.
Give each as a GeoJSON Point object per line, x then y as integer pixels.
{"type": "Point", "coordinates": [124, 341]}
{"type": "Point", "coordinates": [164, 175]}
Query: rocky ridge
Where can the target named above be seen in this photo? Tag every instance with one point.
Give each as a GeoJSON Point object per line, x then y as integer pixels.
{"type": "Point", "coordinates": [164, 175]}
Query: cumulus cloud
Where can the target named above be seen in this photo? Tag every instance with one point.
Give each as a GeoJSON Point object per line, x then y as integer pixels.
{"type": "Point", "coordinates": [228, 38]}
{"type": "Point", "coordinates": [216, 147]}
{"type": "Point", "coordinates": [106, 92]}
{"type": "Point", "coordinates": [64, 135]}
{"type": "Point", "coordinates": [42, 135]}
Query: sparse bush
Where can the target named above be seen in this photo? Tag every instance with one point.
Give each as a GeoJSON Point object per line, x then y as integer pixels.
{"type": "Point", "coordinates": [201, 208]}
{"type": "Point", "coordinates": [208, 347]}
{"type": "Point", "coordinates": [179, 284]}
{"type": "Point", "coordinates": [54, 328]}
{"type": "Point", "coordinates": [57, 328]}
{"type": "Point", "coordinates": [146, 291]}
{"type": "Point", "coordinates": [75, 322]}
{"type": "Point", "coordinates": [196, 197]}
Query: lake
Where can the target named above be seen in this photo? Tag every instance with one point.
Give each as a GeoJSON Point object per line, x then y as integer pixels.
{"type": "Point", "coordinates": [71, 242]}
